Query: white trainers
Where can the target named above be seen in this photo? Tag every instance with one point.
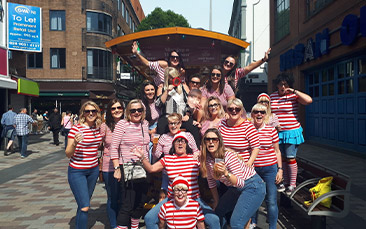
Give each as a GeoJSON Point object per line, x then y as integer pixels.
{"type": "Point", "coordinates": [289, 190]}
{"type": "Point", "coordinates": [252, 226]}
{"type": "Point", "coordinates": [281, 187]}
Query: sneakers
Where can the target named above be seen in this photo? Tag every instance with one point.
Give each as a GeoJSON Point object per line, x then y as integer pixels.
{"type": "Point", "coordinates": [281, 187]}
{"type": "Point", "coordinates": [252, 226]}
{"type": "Point", "coordinates": [22, 157]}
{"type": "Point", "coordinates": [289, 190]}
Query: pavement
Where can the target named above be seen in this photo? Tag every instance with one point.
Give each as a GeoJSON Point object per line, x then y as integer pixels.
{"type": "Point", "coordinates": [34, 192]}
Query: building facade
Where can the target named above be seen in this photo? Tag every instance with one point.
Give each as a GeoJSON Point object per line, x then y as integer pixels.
{"type": "Point", "coordinates": [322, 43]}
{"type": "Point", "coordinates": [75, 65]}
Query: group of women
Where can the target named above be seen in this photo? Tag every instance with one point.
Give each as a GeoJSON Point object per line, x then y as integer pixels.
{"type": "Point", "coordinates": [241, 159]}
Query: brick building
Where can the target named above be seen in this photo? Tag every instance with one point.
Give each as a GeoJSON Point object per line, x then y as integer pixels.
{"type": "Point", "coordinates": [75, 64]}
{"type": "Point", "coordinates": [323, 44]}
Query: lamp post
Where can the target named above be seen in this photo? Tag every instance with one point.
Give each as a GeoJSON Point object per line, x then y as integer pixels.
{"type": "Point", "coordinates": [254, 4]}
{"type": "Point", "coordinates": [210, 20]}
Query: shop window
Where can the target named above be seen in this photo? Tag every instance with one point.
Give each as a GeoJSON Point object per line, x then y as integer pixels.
{"type": "Point", "coordinates": [341, 72]}
{"type": "Point", "coordinates": [314, 6]}
{"type": "Point", "coordinates": [341, 88]}
{"type": "Point", "coordinates": [362, 84]}
{"type": "Point", "coordinates": [35, 60]}
{"type": "Point", "coordinates": [325, 90]}
{"type": "Point", "coordinates": [362, 66]}
{"type": "Point", "coordinates": [349, 86]}
{"type": "Point", "coordinates": [331, 74]}
{"type": "Point", "coordinates": [119, 31]}
{"type": "Point", "coordinates": [331, 89]}
{"type": "Point", "coordinates": [98, 22]}
{"type": "Point", "coordinates": [316, 77]}
{"type": "Point", "coordinates": [123, 9]}
{"type": "Point", "coordinates": [99, 64]}
{"type": "Point", "coordinates": [282, 19]}
{"type": "Point", "coordinates": [349, 69]}
{"type": "Point", "coordinates": [57, 20]}
{"type": "Point", "coordinates": [58, 57]}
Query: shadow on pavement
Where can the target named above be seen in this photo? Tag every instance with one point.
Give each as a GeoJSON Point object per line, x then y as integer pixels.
{"type": "Point", "coordinates": [95, 215]}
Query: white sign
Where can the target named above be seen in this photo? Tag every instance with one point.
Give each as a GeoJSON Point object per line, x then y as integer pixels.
{"type": "Point", "coordinates": [125, 76]}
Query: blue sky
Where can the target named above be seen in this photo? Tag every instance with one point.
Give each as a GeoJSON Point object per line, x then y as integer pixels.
{"type": "Point", "coordinates": [196, 12]}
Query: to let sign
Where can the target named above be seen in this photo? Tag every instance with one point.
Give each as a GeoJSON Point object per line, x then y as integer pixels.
{"type": "Point", "coordinates": [24, 27]}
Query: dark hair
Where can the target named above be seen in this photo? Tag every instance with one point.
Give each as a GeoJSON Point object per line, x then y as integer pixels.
{"type": "Point", "coordinates": [188, 149]}
{"type": "Point", "coordinates": [288, 78]}
{"type": "Point", "coordinates": [222, 80]}
{"type": "Point", "coordinates": [181, 64]}
{"type": "Point", "coordinates": [109, 120]}
{"type": "Point", "coordinates": [232, 71]}
{"type": "Point", "coordinates": [10, 107]}
{"type": "Point", "coordinates": [195, 75]}
{"type": "Point", "coordinates": [145, 100]}
{"type": "Point", "coordinates": [68, 112]}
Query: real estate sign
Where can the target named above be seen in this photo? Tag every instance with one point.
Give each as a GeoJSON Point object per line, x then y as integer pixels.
{"type": "Point", "coordinates": [24, 27]}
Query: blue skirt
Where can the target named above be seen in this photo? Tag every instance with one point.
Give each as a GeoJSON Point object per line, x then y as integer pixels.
{"type": "Point", "coordinates": [293, 137]}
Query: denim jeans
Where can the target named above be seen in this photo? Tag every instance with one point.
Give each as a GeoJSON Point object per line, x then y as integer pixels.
{"type": "Point", "coordinates": [288, 150]}
{"type": "Point", "coordinates": [268, 174]}
{"type": "Point", "coordinates": [113, 189]}
{"type": "Point", "coordinates": [82, 183]}
{"type": "Point", "coordinates": [23, 142]}
{"type": "Point", "coordinates": [66, 131]}
{"type": "Point", "coordinates": [211, 219]}
{"type": "Point", "coordinates": [244, 202]}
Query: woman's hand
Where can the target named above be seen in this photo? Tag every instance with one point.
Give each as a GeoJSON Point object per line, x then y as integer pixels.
{"type": "Point", "coordinates": [134, 47]}
{"type": "Point", "coordinates": [221, 167]}
{"type": "Point", "coordinates": [78, 138]}
{"type": "Point", "coordinates": [117, 174]}
{"type": "Point", "coordinates": [137, 151]}
{"type": "Point", "coordinates": [266, 54]}
{"type": "Point", "coordinates": [185, 118]}
{"type": "Point", "coordinates": [279, 176]}
{"type": "Point", "coordinates": [170, 87]}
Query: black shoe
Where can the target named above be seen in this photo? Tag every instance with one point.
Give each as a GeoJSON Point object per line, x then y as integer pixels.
{"type": "Point", "coordinates": [6, 153]}
{"type": "Point", "coordinates": [57, 144]}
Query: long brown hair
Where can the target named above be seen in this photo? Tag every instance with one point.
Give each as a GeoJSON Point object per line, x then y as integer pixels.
{"type": "Point", "coordinates": [109, 120]}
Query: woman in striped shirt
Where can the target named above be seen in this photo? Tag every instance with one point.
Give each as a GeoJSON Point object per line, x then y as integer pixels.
{"type": "Point", "coordinates": [214, 113]}
{"type": "Point", "coordinates": [113, 115]}
{"type": "Point", "coordinates": [238, 133]}
{"type": "Point", "coordinates": [270, 119]}
{"type": "Point", "coordinates": [82, 148]}
{"type": "Point", "coordinates": [284, 103]}
{"type": "Point", "coordinates": [179, 161]}
{"type": "Point", "coordinates": [268, 163]}
{"type": "Point", "coordinates": [130, 133]}
{"type": "Point", "coordinates": [246, 189]}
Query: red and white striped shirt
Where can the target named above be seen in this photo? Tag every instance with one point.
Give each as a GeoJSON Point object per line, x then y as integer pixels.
{"type": "Point", "coordinates": [267, 155]}
{"type": "Point", "coordinates": [187, 167]}
{"type": "Point", "coordinates": [241, 138]}
{"type": "Point", "coordinates": [159, 77]}
{"type": "Point", "coordinates": [127, 135]}
{"type": "Point", "coordinates": [86, 151]}
{"type": "Point", "coordinates": [234, 165]}
{"type": "Point", "coordinates": [166, 141]}
{"type": "Point", "coordinates": [184, 217]}
{"type": "Point", "coordinates": [155, 112]}
{"type": "Point", "coordinates": [239, 73]}
{"type": "Point", "coordinates": [286, 108]}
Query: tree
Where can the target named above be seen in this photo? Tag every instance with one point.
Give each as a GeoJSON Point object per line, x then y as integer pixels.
{"type": "Point", "coordinates": [162, 19]}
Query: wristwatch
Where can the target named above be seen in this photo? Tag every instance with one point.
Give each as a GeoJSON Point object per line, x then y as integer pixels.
{"type": "Point", "coordinates": [117, 167]}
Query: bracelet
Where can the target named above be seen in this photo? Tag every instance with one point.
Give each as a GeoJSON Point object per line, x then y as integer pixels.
{"type": "Point", "coordinates": [280, 168]}
{"type": "Point", "coordinates": [263, 60]}
{"type": "Point", "coordinates": [294, 92]}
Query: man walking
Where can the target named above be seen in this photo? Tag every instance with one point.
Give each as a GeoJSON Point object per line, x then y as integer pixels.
{"type": "Point", "coordinates": [7, 121]}
{"type": "Point", "coordinates": [21, 121]}
{"type": "Point", "coordinates": [35, 123]}
{"type": "Point", "coordinates": [55, 125]}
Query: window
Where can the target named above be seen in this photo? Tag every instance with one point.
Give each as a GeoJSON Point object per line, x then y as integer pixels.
{"type": "Point", "coordinates": [131, 22]}
{"type": "Point", "coordinates": [35, 60]}
{"type": "Point", "coordinates": [127, 17]}
{"type": "Point", "coordinates": [99, 64]}
{"type": "Point", "coordinates": [98, 22]}
{"type": "Point", "coordinates": [119, 31]}
{"type": "Point", "coordinates": [58, 57]}
{"type": "Point", "coordinates": [57, 20]}
{"type": "Point", "coordinates": [282, 19]}
{"type": "Point", "coordinates": [119, 5]}
{"type": "Point", "coordinates": [314, 6]}
{"type": "Point", "coordinates": [123, 9]}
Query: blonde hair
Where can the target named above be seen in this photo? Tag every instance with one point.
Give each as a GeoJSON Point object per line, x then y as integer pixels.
{"type": "Point", "coordinates": [180, 186]}
{"type": "Point", "coordinates": [170, 71]}
{"type": "Point", "coordinates": [237, 102]}
{"type": "Point", "coordinates": [268, 108]}
{"type": "Point", "coordinates": [260, 107]}
{"type": "Point", "coordinates": [98, 121]}
{"type": "Point", "coordinates": [175, 116]}
{"type": "Point", "coordinates": [221, 113]}
{"type": "Point", "coordinates": [128, 108]}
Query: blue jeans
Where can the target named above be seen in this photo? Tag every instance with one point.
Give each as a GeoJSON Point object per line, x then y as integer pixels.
{"type": "Point", "coordinates": [114, 195]}
{"type": "Point", "coordinates": [211, 219]}
{"type": "Point", "coordinates": [23, 142]}
{"type": "Point", "coordinates": [82, 183]}
{"type": "Point", "coordinates": [288, 150]}
{"type": "Point", "coordinates": [67, 131]}
{"type": "Point", "coordinates": [268, 174]}
{"type": "Point", "coordinates": [244, 202]}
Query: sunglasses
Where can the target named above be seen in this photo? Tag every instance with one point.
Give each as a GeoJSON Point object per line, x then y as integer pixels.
{"type": "Point", "coordinates": [214, 140]}
{"type": "Point", "coordinates": [266, 102]}
{"type": "Point", "coordinates": [232, 109]}
{"type": "Point", "coordinates": [116, 108]}
{"type": "Point", "coordinates": [174, 57]}
{"type": "Point", "coordinates": [90, 111]}
{"type": "Point", "coordinates": [213, 105]}
{"type": "Point", "coordinates": [218, 75]}
{"type": "Point", "coordinates": [180, 190]}
{"type": "Point", "coordinates": [195, 82]}
{"type": "Point", "coordinates": [139, 110]}
{"type": "Point", "coordinates": [226, 62]}
{"type": "Point", "coordinates": [262, 112]}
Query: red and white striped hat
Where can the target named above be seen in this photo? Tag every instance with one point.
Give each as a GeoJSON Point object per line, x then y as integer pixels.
{"type": "Point", "coordinates": [265, 95]}
{"type": "Point", "coordinates": [180, 180]}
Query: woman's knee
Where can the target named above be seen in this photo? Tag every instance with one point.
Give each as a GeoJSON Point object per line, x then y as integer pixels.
{"type": "Point", "coordinates": [85, 209]}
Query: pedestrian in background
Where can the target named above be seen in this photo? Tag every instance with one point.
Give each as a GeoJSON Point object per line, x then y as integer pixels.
{"type": "Point", "coordinates": [7, 121]}
{"type": "Point", "coordinates": [84, 141]}
{"type": "Point", "coordinates": [114, 114]}
{"type": "Point", "coordinates": [35, 123]}
{"type": "Point", "coordinates": [129, 133]}
{"type": "Point", "coordinates": [284, 103]}
{"type": "Point", "coordinates": [55, 125]}
{"type": "Point", "coordinates": [67, 123]}
{"type": "Point", "coordinates": [45, 122]}
{"type": "Point", "coordinates": [21, 122]}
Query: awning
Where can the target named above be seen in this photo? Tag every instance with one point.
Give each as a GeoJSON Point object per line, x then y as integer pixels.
{"type": "Point", "coordinates": [64, 94]}
{"type": "Point", "coordinates": [8, 83]}
{"type": "Point", "coordinates": [28, 87]}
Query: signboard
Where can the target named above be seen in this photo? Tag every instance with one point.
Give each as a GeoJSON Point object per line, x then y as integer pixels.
{"type": "Point", "coordinates": [24, 27]}
{"type": "Point", "coordinates": [3, 23]}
